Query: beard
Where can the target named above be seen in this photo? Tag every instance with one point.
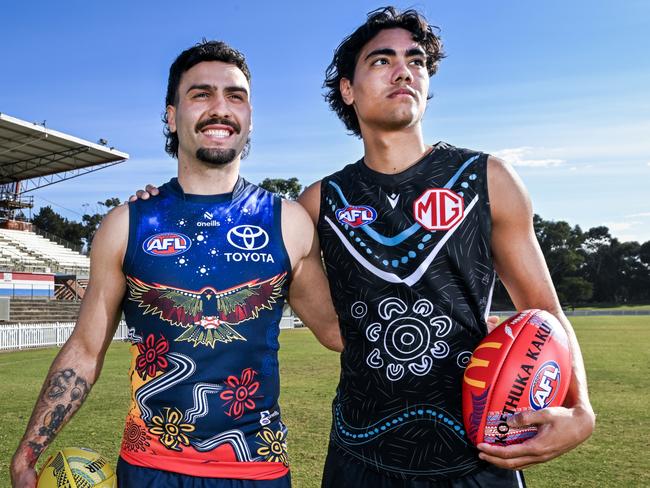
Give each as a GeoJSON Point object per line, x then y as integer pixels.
{"type": "Point", "coordinates": [216, 157]}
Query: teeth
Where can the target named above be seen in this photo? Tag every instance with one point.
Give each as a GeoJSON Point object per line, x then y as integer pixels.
{"type": "Point", "coordinates": [217, 133]}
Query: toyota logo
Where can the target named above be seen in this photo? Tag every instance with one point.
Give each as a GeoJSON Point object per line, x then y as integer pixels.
{"type": "Point", "coordinates": [248, 237]}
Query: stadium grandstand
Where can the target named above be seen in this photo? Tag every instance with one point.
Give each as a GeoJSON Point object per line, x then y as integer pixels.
{"type": "Point", "coordinates": [33, 265]}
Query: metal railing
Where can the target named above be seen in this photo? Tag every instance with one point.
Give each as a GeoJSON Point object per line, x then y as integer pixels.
{"type": "Point", "coordinates": [26, 336]}
{"type": "Point", "coordinates": [59, 240]}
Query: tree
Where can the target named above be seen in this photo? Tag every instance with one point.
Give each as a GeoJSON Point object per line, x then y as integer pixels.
{"type": "Point", "coordinates": [574, 290]}
{"type": "Point", "coordinates": [561, 245]}
{"type": "Point", "coordinates": [51, 222]}
{"type": "Point", "coordinates": [91, 221]}
{"type": "Point", "coordinates": [289, 189]}
{"type": "Point", "coordinates": [616, 269]}
{"type": "Point", "coordinates": [77, 233]}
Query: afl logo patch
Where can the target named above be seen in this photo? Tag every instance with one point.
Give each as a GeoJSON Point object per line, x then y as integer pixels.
{"type": "Point", "coordinates": [545, 385]}
{"type": "Point", "coordinates": [166, 244]}
{"type": "Point", "coordinates": [356, 215]}
{"type": "Point", "coordinates": [248, 237]}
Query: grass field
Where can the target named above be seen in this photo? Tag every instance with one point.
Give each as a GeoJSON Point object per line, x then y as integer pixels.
{"type": "Point", "coordinates": [616, 354]}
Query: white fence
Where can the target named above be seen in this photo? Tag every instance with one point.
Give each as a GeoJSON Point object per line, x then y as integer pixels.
{"type": "Point", "coordinates": [25, 336]}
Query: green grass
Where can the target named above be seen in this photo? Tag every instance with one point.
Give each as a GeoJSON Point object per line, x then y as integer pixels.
{"type": "Point", "coordinates": [604, 306]}
{"type": "Point", "coordinates": [616, 354]}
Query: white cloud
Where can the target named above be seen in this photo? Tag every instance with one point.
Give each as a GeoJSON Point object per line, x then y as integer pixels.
{"type": "Point", "coordinates": [638, 215]}
{"type": "Point", "coordinates": [521, 156]}
{"type": "Point", "coordinates": [627, 231]}
{"type": "Point", "coordinates": [621, 226]}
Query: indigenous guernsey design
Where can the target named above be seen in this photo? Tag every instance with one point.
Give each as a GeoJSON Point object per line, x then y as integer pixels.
{"type": "Point", "coordinates": [408, 258]}
{"type": "Point", "coordinates": [207, 279]}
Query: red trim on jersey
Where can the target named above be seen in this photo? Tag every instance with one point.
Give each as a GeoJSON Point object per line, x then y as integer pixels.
{"type": "Point", "coordinates": [207, 468]}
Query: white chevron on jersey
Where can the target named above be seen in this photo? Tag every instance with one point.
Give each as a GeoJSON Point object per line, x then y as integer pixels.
{"type": "Point", "coordinates": [392, 277]}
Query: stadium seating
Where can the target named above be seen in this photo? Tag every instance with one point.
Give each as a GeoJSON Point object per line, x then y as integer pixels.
{"type": "Point", "coordinates": [28, 251]}
{"type": "Point", "coordinates": [26, 310]}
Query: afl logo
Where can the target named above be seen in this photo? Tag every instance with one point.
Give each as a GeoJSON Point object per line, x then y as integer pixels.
{"type": "Point", "coordinates": [167, 244]}
{"type": "Point", "coordinates": [248, 237]}
{"type": "Point", "coordinates": [356, 215]}
{"type": "Point", "coordinates": [545, 385]}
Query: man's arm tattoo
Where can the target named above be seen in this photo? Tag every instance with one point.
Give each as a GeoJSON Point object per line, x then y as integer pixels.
{"type": "Point", "coordinates": [63, 395]}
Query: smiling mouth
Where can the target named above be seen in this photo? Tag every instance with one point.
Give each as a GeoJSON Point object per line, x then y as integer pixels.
{"type": "Point", "coordinates": [217, 133]}
{"type": "Point", "coordinates": [218, 128]}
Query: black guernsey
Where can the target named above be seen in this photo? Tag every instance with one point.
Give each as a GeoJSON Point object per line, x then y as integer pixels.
{"type": "Point", "coordinates": [410, 269]}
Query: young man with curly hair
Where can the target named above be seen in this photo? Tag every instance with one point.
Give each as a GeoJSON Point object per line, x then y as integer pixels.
{"type": "Point", "coordinates": [413, 236]}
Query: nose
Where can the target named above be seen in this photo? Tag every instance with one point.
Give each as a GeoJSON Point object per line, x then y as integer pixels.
{"type": "Point", "coordinates": [219, 107]}
{"type": "Point", "coordinates": [402, 73]}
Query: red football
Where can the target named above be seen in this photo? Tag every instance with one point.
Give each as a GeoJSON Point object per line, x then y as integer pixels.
{"type": "Point", "coordinates": [523, 364]}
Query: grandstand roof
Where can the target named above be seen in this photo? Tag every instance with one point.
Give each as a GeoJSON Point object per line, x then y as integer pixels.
{"type": "Point", "coordinates": [29, 151]}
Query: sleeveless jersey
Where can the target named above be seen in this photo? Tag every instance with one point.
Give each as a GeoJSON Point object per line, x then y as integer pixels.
{"type": "Point", "coordinates": [207, 278]}
{"type": "Point", "coordinates": [408, 260]}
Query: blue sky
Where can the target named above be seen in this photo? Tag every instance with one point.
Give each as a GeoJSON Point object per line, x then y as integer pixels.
{"type": "Point", "coordinates": [560, 89]}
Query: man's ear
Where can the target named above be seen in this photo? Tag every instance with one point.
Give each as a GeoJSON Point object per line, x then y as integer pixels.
{"type": "Point", "coordinates": [347, 91]}
{"type": "Point", "coordinates": [171, 118]}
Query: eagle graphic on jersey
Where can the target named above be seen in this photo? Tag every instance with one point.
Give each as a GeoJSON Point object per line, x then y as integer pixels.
{"type": "Point", "coordinates": [207, 314]}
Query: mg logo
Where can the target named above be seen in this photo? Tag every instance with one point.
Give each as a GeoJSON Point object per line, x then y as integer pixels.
{"type": "Point", "coordinates": [248, 237]}
{"type": "Point", "coordinates": [438, 209]}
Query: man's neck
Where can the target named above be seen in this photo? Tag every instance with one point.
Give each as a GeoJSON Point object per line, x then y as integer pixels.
{"type": "Point", "coordinates": [392, 152]}
{"type": "Point", "coordinates": [197, 178]}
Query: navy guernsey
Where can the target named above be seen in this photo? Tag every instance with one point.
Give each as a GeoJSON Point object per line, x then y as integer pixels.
{"type": "Point", "coordinates": [207, 279]}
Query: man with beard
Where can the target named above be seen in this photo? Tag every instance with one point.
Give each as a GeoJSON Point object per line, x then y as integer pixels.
{"type": "Point", "coordinates": [411, 236]}
{"type": "Point", "coordinates": [202, 274]}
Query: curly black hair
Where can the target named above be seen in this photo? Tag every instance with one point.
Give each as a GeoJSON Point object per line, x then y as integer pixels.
{"type": "Point", "coordinates": [203, 51]}
{"type": "Point", "coordinates": [347, 53]}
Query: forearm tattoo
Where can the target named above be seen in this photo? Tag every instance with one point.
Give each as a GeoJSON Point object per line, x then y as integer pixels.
{"type": "Point", "coordinates": [63, 395]}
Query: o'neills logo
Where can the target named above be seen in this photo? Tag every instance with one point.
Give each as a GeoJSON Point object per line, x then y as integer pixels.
{"type": "Point", "coordinates": [209, 220]}
{"type": "Point", "coordinates": [166, 244]}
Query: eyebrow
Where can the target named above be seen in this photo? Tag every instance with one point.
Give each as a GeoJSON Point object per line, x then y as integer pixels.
{"type": "Point", "coordinates": [386, 51]}
{"type": "Point", "coordinates": [229, 89]}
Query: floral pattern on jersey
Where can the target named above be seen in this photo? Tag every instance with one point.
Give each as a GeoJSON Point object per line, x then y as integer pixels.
{"type": "Point", "coordinates": [135, 437]}
{"type": "Point", "coordinates": [170, 429]}
{"type": "Point", "coordinates": [273, 446]}
{"type": "Point", "coordinates": [239, 393]}
{"type": "Point", "coordinates": [152, 356]}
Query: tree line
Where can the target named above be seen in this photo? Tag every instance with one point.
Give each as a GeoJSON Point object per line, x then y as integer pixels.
{"type": "Point", "coordinates": [587, 267]}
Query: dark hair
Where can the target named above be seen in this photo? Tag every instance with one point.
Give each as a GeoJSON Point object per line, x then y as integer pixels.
{"type": "Point", "coordinates": [347, 53]}
{"type": "Point", "coordinates": [203, 51]}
